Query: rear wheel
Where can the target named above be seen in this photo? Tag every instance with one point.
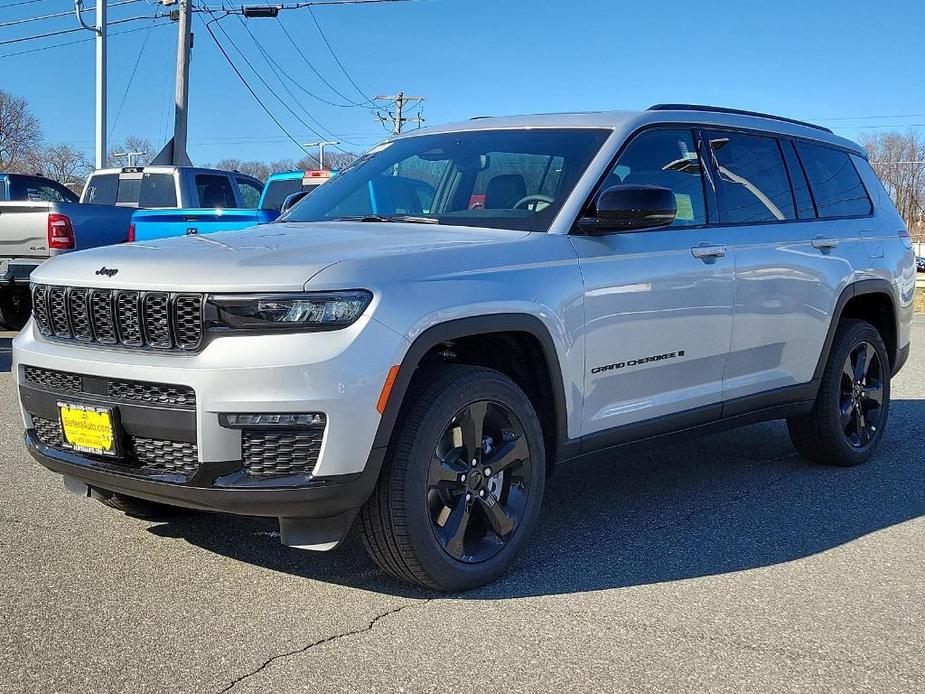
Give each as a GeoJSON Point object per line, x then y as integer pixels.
{"type": "Point", "coordinates": [15, 307]}
{"type": "Point", "coordinates": [853, 403]}
{"type": "Point", "coordinates": [461, 488]}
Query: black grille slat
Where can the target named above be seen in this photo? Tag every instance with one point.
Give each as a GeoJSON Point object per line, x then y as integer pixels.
{"type": "Point", "coordinates": [165, 394]}
{"type": "Point", "coordinates": [40, 309]}
{"type": "Point", "coordinates": [58, 381]}
{"type": "Point", "coordinates": [156, 313]}
{"type": "Point", "coordinates": [156, 455]}
{"type": "Point", "coordinates": [268, 453]}
{"type": "Point", "coordinates": [57, 310]}
{"type": "Point", "coordinates": [104, 317]}
{"type": "Point", "coordinates": [79, 311]}
{"type": "Point", "coordinates": [126, 318]}
{"type": "Point", "coordinates": [188, 320]}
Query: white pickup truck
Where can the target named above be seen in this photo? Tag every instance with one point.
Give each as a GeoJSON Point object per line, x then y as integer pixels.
{"type": "Point", "coordinates": [40, 218]}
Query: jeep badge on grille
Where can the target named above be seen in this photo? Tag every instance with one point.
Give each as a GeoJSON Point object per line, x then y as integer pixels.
{"type": "Point", "coordinates": [109, 272]}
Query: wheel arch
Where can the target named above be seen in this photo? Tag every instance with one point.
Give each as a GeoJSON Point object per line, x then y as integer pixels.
{"type": "Point", "coordinates": [487, 327]}
{"type": "Point", "coordinates": [872, 300]}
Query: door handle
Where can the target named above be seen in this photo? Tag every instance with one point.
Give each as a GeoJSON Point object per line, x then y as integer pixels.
{"type": "Point", "coordinates": [821, 243]}
{"type": "Point", "coordinates": [706, 251]}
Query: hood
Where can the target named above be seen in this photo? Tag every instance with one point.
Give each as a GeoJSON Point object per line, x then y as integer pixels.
{"type": "Point", "coordinates": [271, 257]}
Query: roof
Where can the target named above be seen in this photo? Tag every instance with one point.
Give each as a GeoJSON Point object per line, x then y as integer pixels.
{"type": "Point", "coordinates": [626, 122]}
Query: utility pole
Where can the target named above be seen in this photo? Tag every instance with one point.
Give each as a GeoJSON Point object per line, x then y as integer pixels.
{"type": "Point", "coordinates": [129, 157]}
{"type": "Point", "coordinates": [320, 146]}
{"type": "Point", "coordinates": [184, 50]}
{"type": "Point", "coordinates": [397, 117]}
{"type": "Point", "coordinates": [100, 31]}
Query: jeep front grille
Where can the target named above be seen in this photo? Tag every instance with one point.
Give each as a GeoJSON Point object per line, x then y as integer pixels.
{"type": "Point", "coordinates": [154, 320]}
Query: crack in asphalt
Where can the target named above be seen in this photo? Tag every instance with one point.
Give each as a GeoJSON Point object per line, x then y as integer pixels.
{"type": "Point", "coordinates": [320, 642]}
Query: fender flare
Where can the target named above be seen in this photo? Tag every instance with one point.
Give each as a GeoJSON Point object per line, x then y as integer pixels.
{"type": "Point", "coordinates": [465, 327]}
{"type": "Point", "coordinates": [859, 288]}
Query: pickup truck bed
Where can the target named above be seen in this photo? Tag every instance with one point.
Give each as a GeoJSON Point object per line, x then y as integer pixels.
{"type": "Point", "coordinates": [156, 224]}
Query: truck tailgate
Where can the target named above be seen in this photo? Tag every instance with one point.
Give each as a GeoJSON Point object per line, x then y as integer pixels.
{"type": "Point", "coordinates": [24, 230]}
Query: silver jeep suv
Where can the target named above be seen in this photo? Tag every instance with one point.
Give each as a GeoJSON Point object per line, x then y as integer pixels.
{"type": "Point", "coordinates": [418, 343]}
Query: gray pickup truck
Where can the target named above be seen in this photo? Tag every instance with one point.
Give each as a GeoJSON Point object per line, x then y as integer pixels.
{"type": "Point", "coordinates": [40, 218]}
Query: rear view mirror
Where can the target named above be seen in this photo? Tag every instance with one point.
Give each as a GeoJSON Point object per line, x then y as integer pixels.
{"type": "Point", "coordinates": [291, 200]}
{"type": "Point", "coordinates": [630, 207]}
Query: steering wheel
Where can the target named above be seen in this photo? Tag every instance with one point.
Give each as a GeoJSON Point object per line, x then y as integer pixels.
{"type": "Point", "coordinates": [537, 200]}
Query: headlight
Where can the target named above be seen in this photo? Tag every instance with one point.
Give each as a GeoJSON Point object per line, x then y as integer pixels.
{"type": "Point", "coordinates": [278, 312]}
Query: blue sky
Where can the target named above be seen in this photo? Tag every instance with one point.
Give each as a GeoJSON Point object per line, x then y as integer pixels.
{"type": "Point", "coordinates": [849, 64]}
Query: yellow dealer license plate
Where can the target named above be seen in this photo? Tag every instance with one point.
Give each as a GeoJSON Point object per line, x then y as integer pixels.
{"type": "Point", "coordinates": [88, 429]}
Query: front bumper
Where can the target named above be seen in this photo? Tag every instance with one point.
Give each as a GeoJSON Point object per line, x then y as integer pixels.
{"type": "Point", "coordinates": [16, 270]}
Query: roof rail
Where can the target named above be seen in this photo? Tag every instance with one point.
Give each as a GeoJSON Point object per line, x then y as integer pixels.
{"type": "Point", "coordinates": [734, 111]}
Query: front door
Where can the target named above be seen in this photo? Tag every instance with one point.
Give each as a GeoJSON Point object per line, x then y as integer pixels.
{"type": "Point", "coordinates": [658, 303]}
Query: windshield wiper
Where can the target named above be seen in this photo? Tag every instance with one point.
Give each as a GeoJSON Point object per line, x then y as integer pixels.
{"type": "Point", "coordinates": [411, 219]}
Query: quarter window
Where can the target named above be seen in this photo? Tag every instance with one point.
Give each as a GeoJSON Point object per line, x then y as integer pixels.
{"type": "Point", "coordinates": [250, 192]}
{"type": "Point", "coordinates": [215, 191]}
{"type": "Point", "coordinates": [753, 183]}
{"type": "Point", "coordinates": [666, 158]}
{"type": "Point", "coordinates": [835, 182]}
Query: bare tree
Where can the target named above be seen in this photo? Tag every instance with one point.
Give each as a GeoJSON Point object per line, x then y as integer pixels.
{"type": "Point", "coordinates": [64, 164]}
{"type": "Point", "coordinates": [19, 133]}
{"type": "Point", "coordinates": [132, 144]}
{"type": "Point", "coordinates": [899, 160]}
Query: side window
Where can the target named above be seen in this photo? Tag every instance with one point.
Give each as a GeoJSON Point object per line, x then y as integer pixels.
{"type": "Point", "coordinates": [250, 192]}
{"type": "Point", "coordinates": [666, 158]}
{"type": "Point", "coordinates": [214, 190]}
{"type": "Point", "coordinates": [805, 207]}
{"type": "Point", "coordinates": [753, 183]}
{"type": "Point", "coordinates": [835, 182]}
{"type": "Point", "coordinates": [157, 190]}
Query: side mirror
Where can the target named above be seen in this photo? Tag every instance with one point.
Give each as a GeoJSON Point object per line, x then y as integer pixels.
{"type": "Point", "coordinates": [630, 207]}
{"type": "Point", "coordinates": [291, 200]}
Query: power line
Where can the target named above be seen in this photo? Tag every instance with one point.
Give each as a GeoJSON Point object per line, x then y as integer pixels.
{"type": "Point", "coordinates": [23, 2]}
{"type": "Point", "coordinates": [69, 13]}
{"type": "Point", "coordinates": [247, 86]}
{"type": "Point", "coordinates": [131, 79]}
{"type": "Point", "coordinates": [60, 32]}
{"type": "Point", "coordinates": [268, 87]}
{"type": "Point", "coordinates": [72, 43]}
{"type": "Point", "coordinates": [336, 59]}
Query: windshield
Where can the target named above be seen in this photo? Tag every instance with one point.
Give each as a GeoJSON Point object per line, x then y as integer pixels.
{"type": "Point", "coordinates": [508, 179]}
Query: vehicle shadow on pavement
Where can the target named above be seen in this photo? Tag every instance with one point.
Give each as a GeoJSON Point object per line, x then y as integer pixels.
{"type": "Point", "coordinates": [6, 354]}
{"type": "Point", "coordinates": [729, 502]}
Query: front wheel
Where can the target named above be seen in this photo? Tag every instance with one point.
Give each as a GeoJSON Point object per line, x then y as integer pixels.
{"type": "Point", "coordinates": [461, 488]}
{"type": "Point", "coordinates": [15, 307]}
{"type": "Point", "coordinates": [849, 416]}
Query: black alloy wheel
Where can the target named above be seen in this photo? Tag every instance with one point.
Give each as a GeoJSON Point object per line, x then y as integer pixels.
{"type": "Point", "coordinates": [478, 481]}
{"type": "Point", "coordinates": [861, 403]}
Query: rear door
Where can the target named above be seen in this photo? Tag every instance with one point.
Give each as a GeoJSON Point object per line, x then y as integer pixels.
{"type": "Point", "coordinates": [658, 303]}
{"type": "Point", "coordinates": [790, 264]}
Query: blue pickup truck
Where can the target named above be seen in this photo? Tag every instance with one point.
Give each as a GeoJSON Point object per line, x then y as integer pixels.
{"type": "Point", "coordinates": [223, 213]}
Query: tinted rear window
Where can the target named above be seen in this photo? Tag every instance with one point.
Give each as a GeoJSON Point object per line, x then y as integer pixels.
{"type": "Point", "coordinates": [835, 183]}
{"type": "Point", "coordinates": [157, 190]}
{"type": "Point", "coordinates": [754, 186]}
{"type": "Point", "coordinates": [101, 189]}
{"type": "Point", "coordinates": [279, 190]}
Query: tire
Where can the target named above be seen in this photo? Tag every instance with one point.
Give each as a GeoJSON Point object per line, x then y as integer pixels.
{"type": "Point", "coordinates": [141, 508]}
{"type": "Point", "coordinates": [420, 487]}
{"type": "Point", "coordinates": [832, 433]}
{"type": "Point", "coordinates": [15, 308]}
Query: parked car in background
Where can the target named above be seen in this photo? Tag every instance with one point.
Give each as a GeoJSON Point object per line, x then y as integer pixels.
{"type": "Point", "coordinates": [178, 200]}
{"type": "Point", "coordinates": [286, 183]}
{"type": "Point", "coordinates": [920, 263]}
{"type": "Point", "coordinates": [40, 218]}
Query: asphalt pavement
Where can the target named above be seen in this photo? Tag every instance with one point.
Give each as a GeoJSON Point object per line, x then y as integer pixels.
{"type": "Point", "coordinates": [725, 564]}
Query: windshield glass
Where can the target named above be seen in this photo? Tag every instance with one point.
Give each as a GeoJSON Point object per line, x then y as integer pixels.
{"type": "Point", "coordinates": [508, 179]}
{"type": "Point", "coordinates": [278, 190]}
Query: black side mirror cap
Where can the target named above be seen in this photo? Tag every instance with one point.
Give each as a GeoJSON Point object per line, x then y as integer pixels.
{"type": "Point", "coordinates": [291, 200]}
{"type": "Point", "coordinates": [630, 207]}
